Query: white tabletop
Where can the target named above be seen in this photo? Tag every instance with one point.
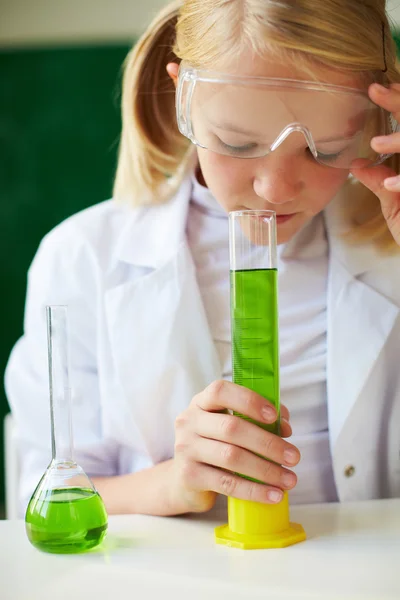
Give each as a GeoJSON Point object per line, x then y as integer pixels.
{"type": "Point", "coordinates": [352, 553]}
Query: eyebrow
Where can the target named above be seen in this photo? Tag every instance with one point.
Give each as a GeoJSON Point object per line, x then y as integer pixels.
{"type": "Point", "coordinates": [226, 126]}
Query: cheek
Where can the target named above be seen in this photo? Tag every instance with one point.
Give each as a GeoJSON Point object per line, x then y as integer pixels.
{"type": "Point", "coordinates": [224, 175]}
{"type": "Point", "coordinates": [322, 188]}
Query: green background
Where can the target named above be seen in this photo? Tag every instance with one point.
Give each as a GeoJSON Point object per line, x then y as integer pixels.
{"type": "Point", "coordinates": [59, 130]}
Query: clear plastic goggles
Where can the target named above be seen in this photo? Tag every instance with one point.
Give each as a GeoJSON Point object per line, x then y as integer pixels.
{"type": "Point", "coordinates": [251, 117]}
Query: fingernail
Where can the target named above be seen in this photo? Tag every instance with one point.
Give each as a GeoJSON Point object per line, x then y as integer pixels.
{"type": "Point", "coordinates": [381, 139]}
{"type": "Point", "coordinates": [274, 496]}
{"type": "Point", "coordinates": [269, 414]}
{"type": "Point", "coordinates": [392, 183]}
{"type": "Point", "coordinates": [288, 480]}
{"type": "Point", "coordinates": [291, 457]}
{"type": "Point", "coordinates": [381, 89]}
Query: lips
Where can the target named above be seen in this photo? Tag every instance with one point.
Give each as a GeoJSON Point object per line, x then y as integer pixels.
{"type": "Point", "coordinates": [283, 218]}
{"type": "Point", "coordinates": [280, 219]}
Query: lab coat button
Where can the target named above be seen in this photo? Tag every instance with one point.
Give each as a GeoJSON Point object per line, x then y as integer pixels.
{"type": "Point", "coordinates": [349, 471]}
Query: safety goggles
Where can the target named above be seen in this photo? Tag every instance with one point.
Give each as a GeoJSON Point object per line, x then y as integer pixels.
{"type": "Point", "coordinates": [251, 117]}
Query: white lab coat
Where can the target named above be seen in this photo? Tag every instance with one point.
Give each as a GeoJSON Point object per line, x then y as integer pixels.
{"type": "Point", "coordinates": [141, 346]}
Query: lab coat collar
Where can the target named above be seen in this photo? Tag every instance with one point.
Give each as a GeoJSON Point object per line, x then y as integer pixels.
{"type": "Point", "coordinates": [153, 234]}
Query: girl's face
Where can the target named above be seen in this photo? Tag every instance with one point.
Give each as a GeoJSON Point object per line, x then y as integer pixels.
{"type": "Point", "coordinates": [296, 190]}
{"type": "Point", "coordinates": [288, 180]}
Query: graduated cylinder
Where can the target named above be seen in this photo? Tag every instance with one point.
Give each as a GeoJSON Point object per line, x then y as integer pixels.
{"type": "Point", "coordinates": [255, 365]}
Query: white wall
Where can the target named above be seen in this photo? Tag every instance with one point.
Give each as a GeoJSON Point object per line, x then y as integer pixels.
{"type": "Point", "coordinates": [30, 22]}
{"type": "Point", "coordinates": [393, 9]}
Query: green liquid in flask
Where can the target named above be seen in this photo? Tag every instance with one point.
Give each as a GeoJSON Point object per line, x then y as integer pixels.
{"type": "Point", "coordinates": [255, 346]}
{"type": "Point", "coordinates": [66, 520]}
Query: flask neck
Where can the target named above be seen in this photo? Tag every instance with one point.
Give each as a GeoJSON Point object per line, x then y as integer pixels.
{"type": "Point", "coordinates": [61, 426]}
{"type": "Point", "coordinates": [59, 387]}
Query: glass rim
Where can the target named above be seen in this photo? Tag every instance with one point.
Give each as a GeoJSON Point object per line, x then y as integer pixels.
{"type": "Point", "coordinates": [252, 212]}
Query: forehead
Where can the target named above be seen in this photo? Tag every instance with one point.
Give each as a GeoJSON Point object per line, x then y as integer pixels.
{"type": "Point", "coordinates": [250, 65]}
{"type": "Point", "coordinates": [252, 108]}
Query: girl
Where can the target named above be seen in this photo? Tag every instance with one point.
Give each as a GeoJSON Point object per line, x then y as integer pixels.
{"type": "Point", "coordinates": [284, 106]}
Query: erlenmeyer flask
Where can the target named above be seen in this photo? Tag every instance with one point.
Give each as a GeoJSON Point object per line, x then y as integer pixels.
{"type": "Point", "coordinates": [65, 514]}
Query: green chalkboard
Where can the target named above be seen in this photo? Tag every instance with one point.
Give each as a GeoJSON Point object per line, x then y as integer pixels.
{"type": "Point", "coordinates": [59, 131]}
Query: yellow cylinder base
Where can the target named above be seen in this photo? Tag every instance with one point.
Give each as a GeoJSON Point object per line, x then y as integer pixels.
{"type": "Point", "coordinates": [253, 525]}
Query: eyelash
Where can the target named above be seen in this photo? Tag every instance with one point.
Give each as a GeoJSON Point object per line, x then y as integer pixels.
{"type": "Point", "coordinates": [238, 148]}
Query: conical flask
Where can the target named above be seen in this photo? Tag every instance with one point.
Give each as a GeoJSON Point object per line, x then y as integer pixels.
{"type": "Point", "coordinates": [65, 514]}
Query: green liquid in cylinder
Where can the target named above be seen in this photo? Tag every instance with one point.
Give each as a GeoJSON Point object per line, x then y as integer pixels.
{"type": "Point", "coordinates": [66, 520]}
{"type": "Point", "coordinates": [255, 342]}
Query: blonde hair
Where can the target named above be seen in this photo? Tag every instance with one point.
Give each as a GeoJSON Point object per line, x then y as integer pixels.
{"type": "Point", "coordinates": [347, 36]}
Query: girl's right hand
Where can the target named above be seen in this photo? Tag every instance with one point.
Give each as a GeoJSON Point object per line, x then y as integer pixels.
{"type": "Point", "coordinates": [212, 446]}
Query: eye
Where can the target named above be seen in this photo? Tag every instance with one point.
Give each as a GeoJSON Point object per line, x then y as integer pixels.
{"type": "Point", "coordinates": [237, 149]}
{"type": "Point", "coordinates": [329, 157]}
{"type": "Point", "coordinates": [339, 152]}
{"type": "Point", "coordinates": [326, 157]}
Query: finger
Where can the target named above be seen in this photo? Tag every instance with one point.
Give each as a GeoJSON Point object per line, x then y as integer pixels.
{"type": "Point", "coordinates": [202, 477]}
{"type": "Point", "coordinates": [386, 144]}
{"type": "Point", "coordinates": [372, 177]}
{"type": "Point", "coordinates": [386, 97]}
{"type": "Point", "coordinates": [285, 412]}
{"type": "Point", "coordinates": [384, 182]}
{"type": "Point", "coordinates": [240, 461]}
{"type": "Point", "coordinates": [236, 435]}
{"type": "Point", "coordinates": [222, 394]}
{"type": "Point", "coordinates": [286, 429]}
{"type": "Point", "coordinates": [241, 433]}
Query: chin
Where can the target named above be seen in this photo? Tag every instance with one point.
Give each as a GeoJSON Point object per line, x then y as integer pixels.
{"type": "Point", "coordinates": [286, 231]}
{"type": "Point", "coordinates": [286, 236]}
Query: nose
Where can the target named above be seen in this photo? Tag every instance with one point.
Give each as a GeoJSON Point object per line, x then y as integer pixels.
{"type": "Point", "coordinates": [276, 180]}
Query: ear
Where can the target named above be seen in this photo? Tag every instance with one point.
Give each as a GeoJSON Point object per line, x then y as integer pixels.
{"type": "Point", "coordinates": [172, 70]}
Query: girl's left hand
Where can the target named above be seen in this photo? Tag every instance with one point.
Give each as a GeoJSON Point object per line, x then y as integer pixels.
{"type": "Point", "coordinates": [382, 180]}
